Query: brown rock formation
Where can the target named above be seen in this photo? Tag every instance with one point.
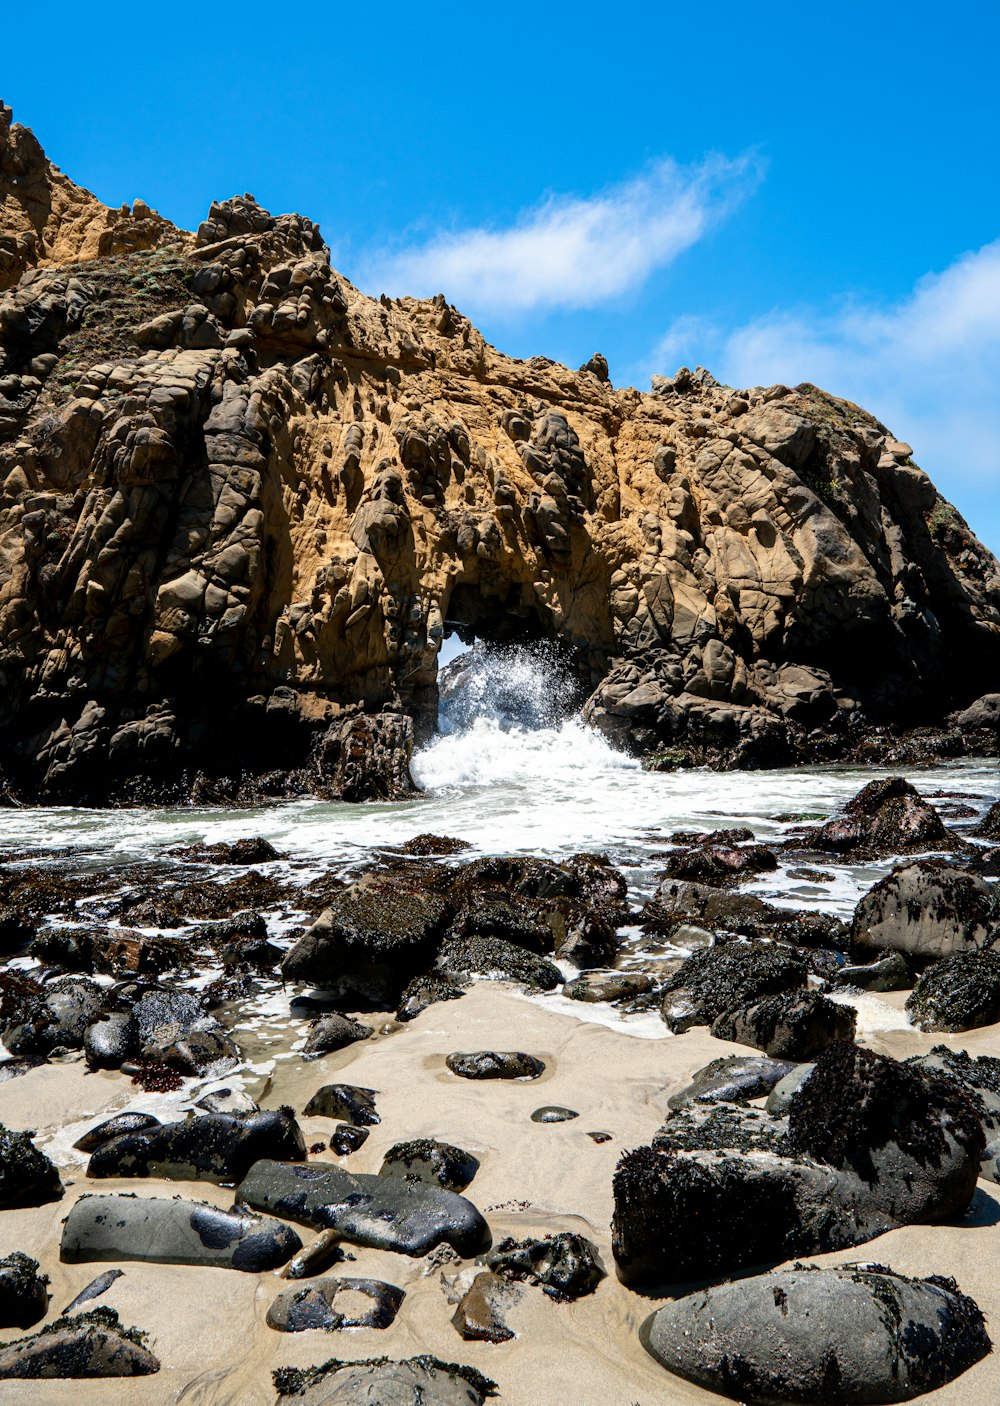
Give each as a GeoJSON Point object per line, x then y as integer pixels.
{"type": "Point", "coordinates": [46, 219]}
{"type": "Point", "coordinates": [242, 501]}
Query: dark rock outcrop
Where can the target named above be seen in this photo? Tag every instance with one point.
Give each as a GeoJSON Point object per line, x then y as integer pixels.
{"type": "Point", "coordinates": [926, 910]}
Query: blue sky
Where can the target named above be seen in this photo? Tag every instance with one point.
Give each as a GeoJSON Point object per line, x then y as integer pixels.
{"type": "Point", "coordinates": [778, 192]}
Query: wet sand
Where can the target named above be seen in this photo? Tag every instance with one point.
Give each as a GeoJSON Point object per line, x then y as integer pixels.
{"type": "Point", "coordinates": [208, 1327]}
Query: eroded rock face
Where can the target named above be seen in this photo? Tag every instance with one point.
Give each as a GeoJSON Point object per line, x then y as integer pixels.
{"type": "Point", "coordinates": [237, 521]}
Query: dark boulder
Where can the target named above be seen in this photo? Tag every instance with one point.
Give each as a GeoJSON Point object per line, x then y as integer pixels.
{"type": "Point", "coordinates": [608, 986]}
{"type": "Point", "coordinates": [567, 1266]}
{"type": "Point", "coordinates": [90, 1344]}
{"type": "Point", "coordinates": [27, 1176]}
{"type": "Point", "coordinates": [678, 901]}
{"type": "Point", "coordinates": [384, 1213]}
{"type": "Point", "coordinates": [926, 910]}
{"type": "Point", "coordinates": [424, 991]}
{"type": "Point", "coordinates": [720, 864]}
{"type": "Point", "coordinates": [218, 1147]}
{"type": "Point", "coordinates": [348, 1101]}
{"type": "Point", "coordinates": [333, 1032]}
{"type": "Point", "coordinates": [731, 1078]}
{"type": "Point", "coordinates": [495, 1064]}
{"type": "Point", "coordinates": [989, 827]}
{"type": "Point", "coordinates": [726, 977]}
{"type": "Point", "coordinates": [794, 1025]}
{"type": "Point", "coordinates": [888, 973]}
{"type": "Point", "coordinates": [160, 1231]}
{"type": "Point", "coordinates": [346, 1139]}
{"type": "Point", "coordinates": [373, 938]}
{"type": "Point", "coordinates": [24, 1295]}
{"type": "Point", "coordinates": [820, 1337]}
{"type": "Point", "coordinates": [336, 1303]}
{"type": "Point", "coordinates": [885, 817]}
{"type": "Point", "coordinates": [495, 959]}
{"type": "Point", "coordinates": [958, 993]}
{"type": "Point", "coordinates": [110, 1041]}
{"type": "Point", "coordinates": [113, 1127]}
{"type": "Point", "coordinates": [868, 1145]}
{"type": "Point", "coordinates": [430, 1162]}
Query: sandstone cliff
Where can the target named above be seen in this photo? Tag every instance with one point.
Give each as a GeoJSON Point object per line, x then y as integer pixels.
{"type": "Point", "coordinates": [240, 501]}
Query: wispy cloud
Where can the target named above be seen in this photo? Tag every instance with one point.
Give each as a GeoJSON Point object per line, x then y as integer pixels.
{"type": "Point", "coordinates": [569, 252]}
{"type": "Point", "coordinates": [927, 365]}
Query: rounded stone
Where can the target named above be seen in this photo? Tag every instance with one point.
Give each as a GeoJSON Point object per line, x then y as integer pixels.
{"type": "Point", "coordinates": [552, 1113]}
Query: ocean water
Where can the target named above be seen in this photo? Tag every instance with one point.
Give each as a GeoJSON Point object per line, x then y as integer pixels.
{"type": "Point", "coordinates": [513, 770]}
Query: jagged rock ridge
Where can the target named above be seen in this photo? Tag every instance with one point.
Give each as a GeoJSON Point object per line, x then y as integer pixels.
{"type": "Point", "coordinates": [242, 501]}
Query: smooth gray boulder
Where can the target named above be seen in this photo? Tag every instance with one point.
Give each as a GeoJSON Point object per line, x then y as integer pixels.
{"type": "Point", "coordinates": [820, 1337]}
{"type": "Point", "coordinates": [417, 1381]}
{"type": "Point", "coordinates": [926, 910]}
{"type": "Point", "coordinates": [780, 1098]}
{"type": "Point", "coordinates": [160, 1231]}
{"type": "Point", "coordinates": [383, 1213]}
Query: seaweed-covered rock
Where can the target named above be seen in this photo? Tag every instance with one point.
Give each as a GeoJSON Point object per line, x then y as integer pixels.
{"type": "Point", "coordinates": [720, 864]}
{"type": "Point", "coordinates": [160, 1231]}
{"type": "Point", "coordinates": [384, 1213]}
{"type": "Point", "coordinates": [348, 1101]}
{"type": "Point", "coordinates": [417, 1381]}
{"type": "Point", "coordinates": [885, 817]}
{"type": "Point", "coordinates": [424, 991]}
{"type": "Point", "coordinates": [926, 910]}
{"type": "Point", "coordinates": [495, 1064]}
{"type": "Point", "coordinates": [27, 1176]}
{"type": "Point", "coordinates": [433, 1163]}
{"type": "Point", "coordinates": [821, 1337]}
{"type": "Point", "coordinates": [336, 1303]}
{"type": "Point", "coordinates": [595, 986]}
{"type": "Point", "coordinates": [794, 1025]}
{"type": "Point", "coordinates": [888, 973]}
{"type": "Point", "coordinates": [680, 901]}
{"type": "Point", "coordinates": [989, 827]}
{"type": "Point", "coordinates": [731, 1078]}
{"type": "Point", "coordinates": [218, 1147]}
{"type": "Point", "coordinates": [495, 959]}
{"type": "Point", "coordinates": [175, 1028]}
{"type": "Point", "coordinates": [960, 992]}
{"type": "Point", "coordinates": [373, 938]}
{"type": "Point", "coordinates": [333, 1032]}
{"type": "Point", "coordinates": [727, 977]}
{"type": "Point", "coordinates": [869, 1144]}
{"type": "Point", "coordinates": [38, 1019]}
{"type": "Point", "coordinates": [110, 1041]}
{"type": "Point", "coordinates": [566, 1265]}
{"type": "Point", "coordinates": [90, 1344]}
{"type": "Point", "coordinates": [24, 1295]}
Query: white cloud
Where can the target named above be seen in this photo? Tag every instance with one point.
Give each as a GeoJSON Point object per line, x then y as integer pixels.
{"type": "Point", "coordinates": [570, 252]}
{"type": "Point", "coordinates": [928, 365]}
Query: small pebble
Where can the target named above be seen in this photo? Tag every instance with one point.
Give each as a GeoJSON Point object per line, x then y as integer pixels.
{"type": "Point", "coordinates": [600, 1137]}
{"type": "Point", "coordinates": [551, 1113]}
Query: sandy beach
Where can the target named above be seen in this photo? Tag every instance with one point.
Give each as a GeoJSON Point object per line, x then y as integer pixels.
{"type": "Point", "coordinates": [208, 1327]}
